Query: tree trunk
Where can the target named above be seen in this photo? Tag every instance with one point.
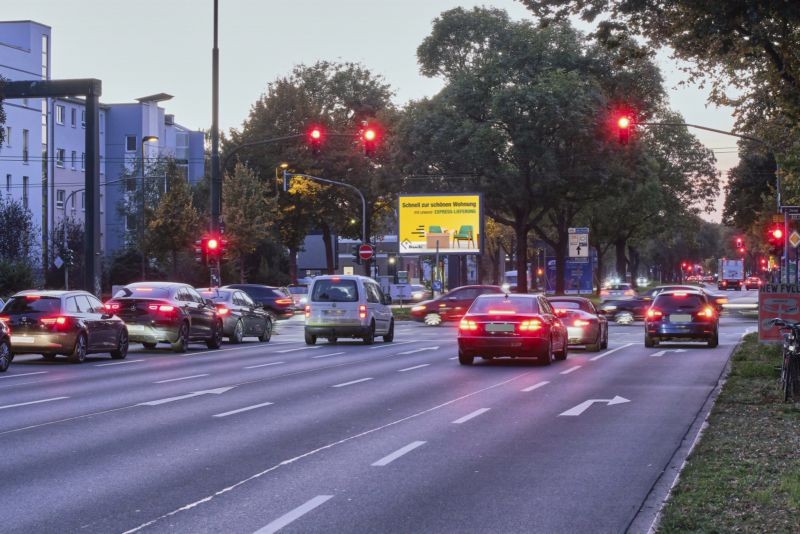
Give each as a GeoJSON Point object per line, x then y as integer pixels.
{"type": "Point", "coordinates": [293, 263]}
{"type": "Point", "coordinates": [622, 261]}
{"type": "Point", "coordinates": [598, 273]}
{"type": "Point", "coordinates": [521, 234]}
{"type": "Point", "coordinates": [326, 239]}
{"type": "Point", "coordinates": [561, 265]}
{"type": "Point", "coordinates": [633, 254]}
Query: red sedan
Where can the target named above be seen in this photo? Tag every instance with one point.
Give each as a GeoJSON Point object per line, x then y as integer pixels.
{"type": "Point", "coordinates": [518, 326]}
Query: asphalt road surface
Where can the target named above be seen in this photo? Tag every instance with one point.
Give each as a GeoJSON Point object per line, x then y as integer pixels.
{"type": "Point", "coordinates": [393, 437]}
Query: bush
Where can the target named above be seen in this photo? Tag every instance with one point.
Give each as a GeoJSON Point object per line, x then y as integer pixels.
{"type": "Point", "coordinates": [15, 276]}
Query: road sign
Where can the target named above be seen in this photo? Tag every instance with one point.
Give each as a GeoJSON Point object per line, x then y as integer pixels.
{"type": "Point", "coordinates": [794, 239]}
{"type": "Point", "coordinates": [365, 251]}
{"type": "Point", "coordinates": [776, 300]}
{"type": "Point", "coordinates": [436, 285]}
{"type": "Point", "coordinates": [578, 242]}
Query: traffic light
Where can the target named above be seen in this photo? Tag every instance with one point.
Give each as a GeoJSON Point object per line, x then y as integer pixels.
{"type": "Point", "coordinates": [356, 256]}
{"type": "Point", "coordinates": [369, 136]}
{"type": "Point", "coordinates": [739, 244]}
{"type": "Point", "coordinates": [775, 239]}
{"type": "Point", "coordinates": [314, 136]}
{"type": "Point", "coordinates": [624, 129]}
{"type": "Point", "coordinates": [199, 256]}
{"type": "Point", "coordinates": [210, 248]}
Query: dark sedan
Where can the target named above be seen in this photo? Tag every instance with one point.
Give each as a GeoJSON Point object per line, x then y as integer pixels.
{"type": "Point", "coordinates": [277, 302]}
{"type": "Point", "coordinates": [240, 316]}
{"type": "Point", "coordinates": [5, 348]}
{"type": "Point", "coordinates": [585, 325]}
{"type": "Point", "coordinates": [681, 315]}
{"type": "Point", "coordinates": [451, 306]}
{"type": "Point", "coordinates": [167, 312]}
{"type": "Point", "coordinates": [72, 323]}
{"type": "Point", "coordinates": [517, 325]}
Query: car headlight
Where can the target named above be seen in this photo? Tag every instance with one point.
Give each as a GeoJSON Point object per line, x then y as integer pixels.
{"type": "Point", "coordinates": [418, 308]}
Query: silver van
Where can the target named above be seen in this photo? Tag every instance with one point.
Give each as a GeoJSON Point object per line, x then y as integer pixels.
{"type": "Point", "coordinates": [350, 306]}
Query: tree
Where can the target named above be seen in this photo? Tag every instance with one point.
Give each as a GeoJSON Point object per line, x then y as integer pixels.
{"type": "Point", "coordinates": [70, 252]}
{"type": "Point", "coordinates": [18, 240]}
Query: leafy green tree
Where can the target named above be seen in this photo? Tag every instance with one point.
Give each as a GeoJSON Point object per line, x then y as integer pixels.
{"type": "Point", "coordinates": [18, 239]}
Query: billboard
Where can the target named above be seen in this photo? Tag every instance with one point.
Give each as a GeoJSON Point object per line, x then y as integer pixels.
{"type": "Point", "coordinates": [451, 223]}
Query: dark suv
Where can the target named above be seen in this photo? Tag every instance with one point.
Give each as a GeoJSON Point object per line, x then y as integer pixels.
{"type": "Point", "coordinates": [277, 302]}
{"type": "Point", "coordinates": [681, 315]}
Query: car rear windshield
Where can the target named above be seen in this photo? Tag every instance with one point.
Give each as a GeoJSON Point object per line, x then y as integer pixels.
{"type": "Point", "coordinates": [679, 300]}
{"type": "Point", "coordinates": [502, 305]}
{"type": "Point", "coordinates": [335, 291]}
{"type": "Point", "coordinates": [620, 287]}
{"type": "Point", "coordinates": [143, 292]}
{"type": "Point", "coordinates": [33, 305]}
{"type": "Point", "coordinates": [220, 295]}
{"type": "Point", "coordinates": [569, 305]}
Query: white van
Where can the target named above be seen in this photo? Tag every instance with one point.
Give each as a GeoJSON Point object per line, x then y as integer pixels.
{"type": "Point", "coordinates": [347, 306]}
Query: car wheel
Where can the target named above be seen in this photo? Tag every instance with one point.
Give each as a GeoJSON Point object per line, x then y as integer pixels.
{"type": "Point", "coordinates": [562, 355]}
{"type": "Point", "coordinates": [597, 345]}
{"type": "Point", "coordinates": [78, 354]}
{"type": "Point", "coordinates": [649, 342]}
{"type": "Point", "coordinates": [433, 319]}
{"type": "Point", "coordinates": [713, 341]}
{"type": "Point", "coordinates": [310, 339]}
{"type": "Point", "coordinates": [149, 346]}
{"type": "Point", "coordinates": [549, 356]}
{"type": "Point", "coordinates": [215, 341]}
{"type": "Point", "coordinates": [623, 318]}
{"type": "Point", "coordinates": [122, 346]}
{"type": "Point", "coordinates": [267, 331]}
{"type": "Point", "coordinates": [183, 339]}
{"type": "Point", "coordinates": [5, 355]}
{"type": "Point", "coordinates": [464, 358]}
{"type": "Point", "coordinates": [605, 340]}
{"type": "Point", "coordinates": [238, 332]}
{"type": "Point", "coordinates": [369, 337]}
{"type": "Point", "coordinates": [389, 336]}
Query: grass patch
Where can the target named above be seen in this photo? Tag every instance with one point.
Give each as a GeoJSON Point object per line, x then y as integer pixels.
{"type": "Point", "coordinates": [744, 475]}
{"type": "Point", "coordinates": [401, 313]}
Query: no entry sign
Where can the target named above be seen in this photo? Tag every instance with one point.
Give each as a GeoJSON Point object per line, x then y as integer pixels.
{"type": "Point", "coordinates": [365, 251]}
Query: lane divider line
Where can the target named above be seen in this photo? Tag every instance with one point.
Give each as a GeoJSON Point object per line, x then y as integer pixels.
{"type": "Point", "coordinates": [245, 409]}
{"type": "Point", "coordinates": [284, 351]}
{"type": "Point", "coordinates": [178, 379]}
{"type": "Point", "coordinates": [606, 353]}
{"type": "Point", "coordinates": [412, 368]}
{"type": "Point", "coordinates": [294, 515]}
{"type": "Point", "coordinates": [117, 363]}
{"type": "Point", "coordinates": [262, 365]}
{"type": "Point", "coordinates": [392, 344]}
{"type": "Point", "coordinates": [535, 386]}
{"type": "Point", "coordinates": [469, 416]}
{"type": "Point", "coordinates": [31, 402]}
{"type": "Point", "coordinates": [570, 370]}
{"type": "Point", "coordinates": [24, 374]}
{"type": "Point", "coordinates": [386, 460]}
{"type": "Point", "coordinates": [351, 382]}
{"type": "Point", "coordinates": [327, 355]}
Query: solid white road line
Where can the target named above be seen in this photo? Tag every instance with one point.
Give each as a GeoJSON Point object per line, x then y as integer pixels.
{"type": "Point", "coordinates": [262, 365]}
{"type": "Point", "coordinates": [392, 344]}
{"type": "Point", "coordinates": [327, 355]}
{"type": "Point", "coordinates": [386, 460]}
{"type": "Point", "coordinates": [284, 351]}
{"type": "Point", "coordinates": [417, 350]}
{"type": "Point", "coordinates": [571, 369]}
{"type": "Point", "coordinates": [351, 382]}
{"type": "Point", "coordinates": [535, 386]}
{"type": "Point", "coordinates": [31, 402]}
{"type": "Point", "coordinates": [24, 374]}
{"type": "Point", "coordinates": [294, 515]}
{"type": "Point", "coordinates": [117, 363]}
{"type": "Point", "coordinates": [245, 409]}
{"type": "Point", "coordinates": [606, 353]}
{"type": "Point", "coordinates": [412, 368]}
{"type": "Point", "coordinates": [177, 379]}
{"type": "Point", "coordinates": [469, 416]}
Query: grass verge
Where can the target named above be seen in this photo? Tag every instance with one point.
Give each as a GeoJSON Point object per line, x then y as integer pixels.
{"type": "Point", "coordinates": [744, 474]}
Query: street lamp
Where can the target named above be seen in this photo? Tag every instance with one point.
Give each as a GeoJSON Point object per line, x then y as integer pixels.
{"type": "Point", "coordinates": [145, 139]}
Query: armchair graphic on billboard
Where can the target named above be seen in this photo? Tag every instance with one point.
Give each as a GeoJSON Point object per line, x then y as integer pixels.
{"type": "Point", "coordinates": [449, 224]}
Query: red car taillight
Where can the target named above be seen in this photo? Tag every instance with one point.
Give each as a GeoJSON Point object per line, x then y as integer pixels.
{"type": "Point", "coordinates": [652, 313]}
{"type": "Point", "coordinates": [706, 313]}
{"type": "Point", "coordinates": [581, 322]}
{"type": "Point", "coordinates": [468, 325]}
{"type": "Point", "coordinates": [284, 301]}
{"type": "Point", "coordinates": [307, 310]}
{"type": "Point", "coordinates": [55, 322]}
{"type": "Point", "coordinates": [111, 306]}
{"type": "Point", "coordinates": [166, 309]}
{"type": "Point", "coordinates": [222, 310]}
{"type": "Point", "coordinates": [362, 311]}
{"type": "Point", "coordinates": [531, 325]}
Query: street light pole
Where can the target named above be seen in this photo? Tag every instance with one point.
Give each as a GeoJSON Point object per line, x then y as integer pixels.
{"type": "Point", "coordinates": [145, 139]}
{"type": "Point", "coordinates": [216, 186]}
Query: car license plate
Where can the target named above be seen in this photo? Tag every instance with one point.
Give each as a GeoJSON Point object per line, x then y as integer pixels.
{"type": "Point", "coordinates": [499, 327]}
{"type": "Point", "coordinates": [135, 327]}
{"type": "Point", "coordinates": [680, 318]}
{"type": "Point", "coordinates": [333, 312]}
{"type": "Point", "coordinates": [22, 339]}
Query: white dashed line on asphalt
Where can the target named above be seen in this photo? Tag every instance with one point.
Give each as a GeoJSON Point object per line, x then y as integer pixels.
{"type": "Point", "coordinates": [178, 379]}
{"type": "Point", "coordinates": [294, 515]}
{"type": "Point", "coordinates": [469, 416]}
{"type": "Point", "coordinates": [570, 370]}
{"type": "Point", "coordinates": [284, 351]}
{"type": "Point", "coordinates": [535, 386]}
{"type": "Point", "coordinates": [24, 374]}
{"type": "Point", "coordinates": [412, 368]}
{"type": "Point", "coordinates": [606, 353]}
{"type": "Point", "coordinates": [327, 355]}
{"type": "Point", "coordinates": [117, 363]}
{"type": "Point", "coordinates": [386, 460]}
{"type": "Point", "coordinates": [245, 409]}
{"type": "Point", "coordinates": [31, 402]}
{"type": "Point", "coordinates": [263, 365]}
{"type": "Point", "coordinates": [393, 344]}
{"type": "Point", "coordinates": [351, 382]}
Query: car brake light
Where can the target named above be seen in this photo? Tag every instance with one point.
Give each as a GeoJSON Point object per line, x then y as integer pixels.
{"type": "Point", "coordinates": [561, 312]}
{"type": "Point", "coordinates": [283, 301]}
{"type": "Point", "coordinates": [33, 297]}
{"type": "Point", "coordinates": [307, 310]}
{"type": "Point", "coordinates": [362, 311]}
{"type": "Point", "coordinates": [57, 321]}
{"type": "Point", "coordinates": [223, 310]}
{"type": "Point", "coordinates": [5, 318]}
{"type": "Point", "coordinates": [679, 294]}
{"type": "Point", "coordinates": [603, 292]}
{"type": "Point", "coordinates": [581, 322]}
{"type": "Point", "coordinates": [708, 312]}
{"type": "Point", "coordinates": [466, 324]}
{"type": "Point", "coordinates": [502, 312]}
{"type": "Point", "coordinates": [530, 326]}
{"type": "Point", "coordinates": [654, 314]}
{"type": "Point", "coordinates": [724, 282]}
{"type": "Point", "coordinates": [628, 292]}
{"type": "Point", "coordinates": [163, 308]}
{"type": "Point", "coordinates": [111, 306]}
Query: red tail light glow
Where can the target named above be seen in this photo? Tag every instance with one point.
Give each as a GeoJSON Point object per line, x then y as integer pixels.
{"type": "Point", "coordinates": [531, 325]}
{"type": "Point", "coordinates": [287, 300]}
{"type": "Point", "coordinates": [307, 310]}
{"type": "Point", "coordinates": [679, 294]}
{"type": "Point", "coordinates": [54, 321]}
{"type": "Point", "coordinates": [362, 311]}
{"type": "Point", "coordinates": [707, 312]}
{"type": "Point", "coordinates": [561, 312]}
{"type": "Point", "coordinates": [581, 322]}
{"type": "Point", "coordinates": [466, 324]}
{"type": "Point", "coordinates": [502, 312]}
{"type": "Point", "coordinates": [32, 297]}
{"type": "Point", "coordinates": [652, 313]}
{"type": "Point", "coordinates": [163, 308]}
{"type": "Point", "coordinates": [223, 310]}
{"type": "Point", "coordinates": [111, 306]}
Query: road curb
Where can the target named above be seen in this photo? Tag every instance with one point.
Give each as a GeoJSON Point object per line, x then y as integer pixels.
{"type": "Point", "coordinates": [647, 519]}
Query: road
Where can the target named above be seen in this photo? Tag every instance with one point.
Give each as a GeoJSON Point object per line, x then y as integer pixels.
{"type": "Point", "coordinates": [348, 438]}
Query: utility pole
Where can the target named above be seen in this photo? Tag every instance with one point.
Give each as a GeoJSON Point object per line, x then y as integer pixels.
{"type": "Point", "coordinates": [216, 185]}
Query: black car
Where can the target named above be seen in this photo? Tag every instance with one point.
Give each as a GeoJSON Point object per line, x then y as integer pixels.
{"type": "Point", "coordinates": [241, 317]}
{"type": "Point", "coordinates": [5, 348]}
{"type": "Point", "coordinates": [167, 312]}
{"type": "Point", "coordinates": [277, 302]}
{"type": "Point", "coordinates": [628, 310]}
{"type": "Point", "coordinates": [73, 323]}
{"type": "Point", "coordinates": [681, 315]}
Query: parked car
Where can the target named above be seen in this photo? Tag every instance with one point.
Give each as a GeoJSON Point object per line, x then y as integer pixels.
{"type": "Point", "coordinates": [71, 323]}
{"type": "Point", "coordinates": [617, 291]}
{"type": "Point", "coordinates": [585, 324]}
{"type": "Point", "coordinates": [513, 325]}
{"type": "Point", "coordinates": [681, 315]}
{"type": "Point", "coordinates": [5, 348]}
{"type": "Point", "coordinates": [347, 306]}
{"type": "Point", "coordinates": [299, 294]}
{"type": "Point", "coordinates": [167, 312]}
{"type": "Point", "coordinates": [241, 317]}
{"type": "Point", "coordinates": [753, 282]}
{"type": "Point", "coordinates": [277, 302]}
{"type": "Point", "coordinates": [450, 306]}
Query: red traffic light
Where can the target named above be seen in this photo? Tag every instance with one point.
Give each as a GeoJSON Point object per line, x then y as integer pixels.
{"type": "Point", "coordinates": [624, 129]}
{"type": "Point", "coordinates": [624, 122]}
{"type": "Point", "coordinates": [777, 233]}
{"type": "Point", "coordinates": [212, 244]}
{"type": "Point", "coordinates": [370, 135]}
{"type": "Point", "coordinates": [314, 135]}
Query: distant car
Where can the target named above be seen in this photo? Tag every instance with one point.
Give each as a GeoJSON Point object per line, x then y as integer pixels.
{"type": "Point", "coordinates": [241, 317]}
{"type": "Point", "coordinates": [420, 293]}
{"type": "Point", "coordinates": [299, 294]}
{"type": "Point", "coordinates": [585, 325]}
{"type": "Point", "coordinates": [513, 325]}
{"type": "Point", "coordinates": [753, 282]}
{"type": "Point", "coordinates": [451, 306]}
{"type": "Point", "coordinates": [167, 312]}
{"type": "Point", "coordinates": [718, 301]}
{"type": "Point", "coordinates": [681, 315]}
{"type": "Point", "coordinates": [71, 323]}
{"type": "Point", "coordinates": [617, 291]}
{"type": "Point", "coordinates": [5, 348]}
{"type": "Point", "coordinates": [277, 302]}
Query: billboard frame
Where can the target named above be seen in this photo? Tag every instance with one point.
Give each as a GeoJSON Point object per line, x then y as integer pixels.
{"type": "Point", "coordinates": [448, 251]}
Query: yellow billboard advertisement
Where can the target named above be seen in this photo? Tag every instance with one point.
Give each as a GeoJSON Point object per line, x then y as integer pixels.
{"type": "Point", "coordinates": [453, 224]}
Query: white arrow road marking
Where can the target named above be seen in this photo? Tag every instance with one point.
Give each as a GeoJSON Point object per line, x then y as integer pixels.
{"type": "Point", "coordinates": [284, 351]}
{"type": "Point", "coordinates": [351, 382]}
{"type": "Point", "coordinates": [417, 350]}
{"type": "Point", "coordinates": [606, 353]}
{"type": "Point", "coordinates": [177, 379]}
{"type": "Point", "coordinates": [245, 409]}
{"type": "Point", "coordinates": [262, 365]}
{"type": "Point", "coordinates": [24, 374]}
{"type": "Point", "coordinates": [663, 352]}
{"type": "Point", "coordinates": [535, 386]}
{"type": "Point", "coordinates": [217, 391]}
{"type": "Point", "coordinates": [469, 416]}
{"type": "Point", "coordinates": [582, 407]}
{"type": "Point", "coordinates": [31, 402]}
{"type": "Point", "coordinates": [386, 460]}
{"type": "Point", "coordinates": [292, 516]}
{"type": "Point", "coordinates": [117, 363]}
{"type": "Point", "coordinates": [412, 368]}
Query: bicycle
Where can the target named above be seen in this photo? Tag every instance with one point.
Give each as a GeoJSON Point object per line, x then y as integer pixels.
{"type": "Point", "coordinates": [790, 366]}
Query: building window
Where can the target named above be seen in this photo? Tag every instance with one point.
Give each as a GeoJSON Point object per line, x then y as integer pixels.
{"type": "Point", "coordinates": [83, 201]}
{"type": "Point", "coordinates": [73, 159]}
{"type": "Point", "coordinates": [8, 183]}
{"type": "Point", "coordinates": [130, 143]}
{"type": "Point", "coordinates": [83, 118]}
{"type": "Point", "coordinates": [8, 135]}
{"type": "Point", "coordinates": [83, 161]}
{"type": "Point", "coordinates": [25, 146]}
{"type": "Point", "coordinates": [44, 56]}
{"type": "Point", "coordinates": [60, 157]}
{"type": "Point", "coordinates": [59, 114]}
{"type": "Point", "coordinates": [60, 198]}
{"type": "Point", "coordinates": [25, 192]}
{"type": "Point", "coordinates": [73, 114]}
